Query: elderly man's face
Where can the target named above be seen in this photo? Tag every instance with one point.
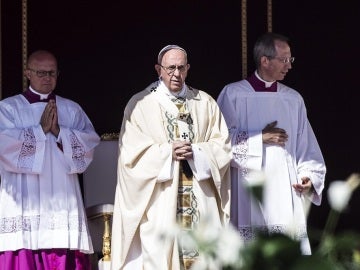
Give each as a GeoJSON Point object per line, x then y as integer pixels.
{"type": "Point", "coordinates": [42, 73]}
{"type": "Point", "coordinates": [173, 69]}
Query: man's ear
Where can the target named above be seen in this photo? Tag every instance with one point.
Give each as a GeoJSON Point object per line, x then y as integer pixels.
{"type": "Point", "coordinates": [264, 60]}
{"type": "Point", "coordinates": [27, 73]}
{"type": "Point", "coordinates": [158, 69]}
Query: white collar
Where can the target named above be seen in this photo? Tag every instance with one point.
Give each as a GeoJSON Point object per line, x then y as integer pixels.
{"type": "Point", "coordinates": [267, 84]}
{"type": "Point", "coordinates": [42, 96]}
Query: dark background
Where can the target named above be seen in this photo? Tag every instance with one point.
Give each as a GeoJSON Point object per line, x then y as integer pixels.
{"type": "Point", "coordinates": [107, 51]}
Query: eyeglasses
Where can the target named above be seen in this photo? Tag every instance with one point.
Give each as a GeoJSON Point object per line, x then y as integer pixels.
{"type": "Point", "coordinates": [171, 69]}
{"type": "Point", "coordinates": [284, 60]}
{"type": "Point", "coordinates": [43, 73]}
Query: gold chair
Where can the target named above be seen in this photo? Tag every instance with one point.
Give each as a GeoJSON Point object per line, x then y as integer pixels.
{"type": "Point", "coordinates": [105, 211]}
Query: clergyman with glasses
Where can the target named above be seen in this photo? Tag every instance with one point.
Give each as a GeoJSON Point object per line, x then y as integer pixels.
{"type": "Point", "coordinates": [46, 141]}
{"type": "Point", "coordinates": [173, 169]}
{"type": "Point", "coordinates": [272, 143]}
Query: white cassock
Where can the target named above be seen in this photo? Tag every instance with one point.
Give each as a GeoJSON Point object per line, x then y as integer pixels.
{"type": "Point", "coordinates": [283, 209]}
{"type": "Point", "coordinates": [41, 204]}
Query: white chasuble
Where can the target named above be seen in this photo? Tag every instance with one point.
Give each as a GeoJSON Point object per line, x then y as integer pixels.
{"type": "Point", "coordinates": [145, 206]}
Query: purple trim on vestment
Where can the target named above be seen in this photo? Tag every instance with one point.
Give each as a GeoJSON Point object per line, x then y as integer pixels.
{"type": "Point", "coordinates": [45, 259]}
{"type": "Point", "coordinates": [32, 97]}
{"type": "Point", "coordinates": [259, 86]}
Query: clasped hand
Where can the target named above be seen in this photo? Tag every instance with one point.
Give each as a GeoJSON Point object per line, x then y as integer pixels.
{"type": "Point", "coordinates": [49, 119]}
{"type": "Point", "coordinates": [182, 150]}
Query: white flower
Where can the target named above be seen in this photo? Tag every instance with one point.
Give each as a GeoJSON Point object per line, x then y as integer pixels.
{"type": "Point", "coordinates": [218, 247]}
{"type": "Point", "coordinates": [256, 178]}
{"type": "Point", "coordinates": [205, 262]}
{"type": "Point", "coordinates": [339, 192]}
{"type": "Point", "coordinates": [229, 245]}
{"type": "Point", "coordinates": [187, 240]}
{"type": "Point", "coordinates": [206, 232]}
{"type": "Point", "coordinates": [168, 234]}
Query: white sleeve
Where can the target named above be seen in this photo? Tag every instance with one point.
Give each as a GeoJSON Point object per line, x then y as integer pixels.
{"type": "Point", "coordinates": [199, 164]}
{"type": "Point", "coordinates": [167, 171]}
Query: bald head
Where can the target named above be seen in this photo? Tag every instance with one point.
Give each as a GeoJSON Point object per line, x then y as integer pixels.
{"type": "Point", "coordinates": [41, 56]}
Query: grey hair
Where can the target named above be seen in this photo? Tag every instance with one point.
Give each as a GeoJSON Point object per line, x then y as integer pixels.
{"type": "Point", "coordinates": [168, 48]}
{"type": "Point", "coordinates": [265, 46]}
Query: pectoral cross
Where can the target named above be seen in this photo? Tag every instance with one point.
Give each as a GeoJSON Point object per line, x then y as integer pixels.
{"type": "Point", "coordinates": [181, 108]}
